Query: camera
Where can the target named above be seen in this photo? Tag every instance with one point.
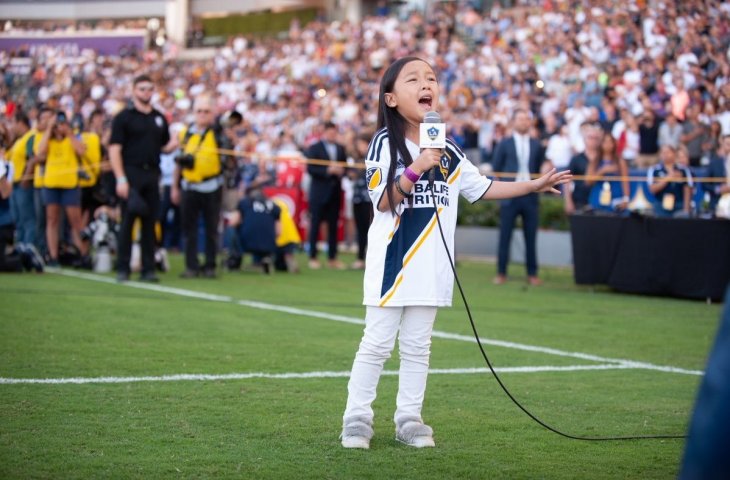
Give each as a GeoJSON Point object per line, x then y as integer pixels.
{"type": "Point", "coordinates": [185, 160]}
{"type": "Point", "coordinates": [61, 117]}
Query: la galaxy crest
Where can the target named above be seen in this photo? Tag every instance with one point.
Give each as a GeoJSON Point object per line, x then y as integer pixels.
{"type": "Point", "coordinates": [373, 177]}
{"type": "Point", "coordinates": [433, 133]}
{"type": "Point", "coordinates": [444, 165]}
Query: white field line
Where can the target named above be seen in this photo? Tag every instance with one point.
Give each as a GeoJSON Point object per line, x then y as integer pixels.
{"type": "Point", "coordinates": [184, 377]}
{"type": "Point", "coordinates": [359, 321]}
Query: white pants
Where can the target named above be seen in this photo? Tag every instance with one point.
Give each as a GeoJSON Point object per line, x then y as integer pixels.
{"type": "Point", "coordinates": [381, 327]}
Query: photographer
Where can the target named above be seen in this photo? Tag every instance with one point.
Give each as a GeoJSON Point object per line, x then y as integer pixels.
{"type": "Point", "coordinates": [59, 150]}
{"type": "Point", "coordinates": [198, 185]}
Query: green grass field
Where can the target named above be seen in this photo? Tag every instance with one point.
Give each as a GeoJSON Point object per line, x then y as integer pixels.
{"type": "Point", "coordinates": [272, 355]}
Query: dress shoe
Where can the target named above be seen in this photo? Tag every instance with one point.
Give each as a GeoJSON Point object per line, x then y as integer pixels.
{"type": "Point", "coordinates": [534, 281]}
{"type": "Point", "coordinates": [500, 279]}
{"type": "Point", "coordinates": [149, 278]}
{"type": "Point", "coordinates": [336, 265]}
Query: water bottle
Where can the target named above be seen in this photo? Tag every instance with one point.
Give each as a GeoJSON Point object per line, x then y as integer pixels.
{"type": "Point", "coordinates": [103, 260]}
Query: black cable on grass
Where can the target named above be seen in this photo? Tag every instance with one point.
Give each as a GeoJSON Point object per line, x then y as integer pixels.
{"type": "Point", "coordinates": [499, 380]}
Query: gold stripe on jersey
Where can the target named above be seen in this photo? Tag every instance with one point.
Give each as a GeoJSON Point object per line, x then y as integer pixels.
{"type": "Point", "coordinates": [395, 229]}
{"type": "Point", "coordinates": [454, 176]}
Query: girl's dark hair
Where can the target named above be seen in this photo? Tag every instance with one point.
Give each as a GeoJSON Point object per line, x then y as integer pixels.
{"type": "Point", "coordinates": [395, 124]}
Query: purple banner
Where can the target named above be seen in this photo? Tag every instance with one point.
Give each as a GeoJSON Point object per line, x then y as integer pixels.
{"type": "Point", "coordinates": [103, 43]}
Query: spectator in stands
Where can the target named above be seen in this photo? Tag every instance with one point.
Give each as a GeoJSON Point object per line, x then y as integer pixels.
{"type": "Point", "coordinates": [670, 132]}
{"type": "Point", "coordinates": [679, 99]}
{"type": "Point", "coordinates": [712, 142]}
{"type": "Point", "coordinates": [629, 142]}
{"type": "Point", "coordinates": [197, 185]}
{"type": "Point", "coordinates": [558, 150]}
{"type": "Point", "coordinates": [719, 168]}
{"type": "Point", "coordinates": [577, 193]}
{"type": "Point", "coordinates": [139, 135]}
{"type": "Point", "coordinates": [670, 183]}
{"type": "Point", "coordinates": [693, 135]}
{"type": "Point", "coordinates": [648, 140]}
{"type": "Point", "coordinates": [520, 155]}
{"type": "Point", "coordinates": [612, 165]}
{"type": "Point", "coordinates": [325, 192]}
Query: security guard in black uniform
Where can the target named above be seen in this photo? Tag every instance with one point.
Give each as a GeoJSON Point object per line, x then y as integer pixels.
{"type": "Point", "coordinates": [139, 134]}
{"type": "Point", "coordinates": [197, 185]}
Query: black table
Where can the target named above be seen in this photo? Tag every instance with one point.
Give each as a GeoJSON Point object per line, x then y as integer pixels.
{"type": "Point", "coordinates": [680, 257]}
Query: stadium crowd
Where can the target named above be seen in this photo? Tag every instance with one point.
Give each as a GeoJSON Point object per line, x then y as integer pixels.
{"type": "Point", "coordinates": [648, 79]}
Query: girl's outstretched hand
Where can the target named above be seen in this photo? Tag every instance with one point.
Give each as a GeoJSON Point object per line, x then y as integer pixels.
{"type": "Point", "coordinates": [552, 179]}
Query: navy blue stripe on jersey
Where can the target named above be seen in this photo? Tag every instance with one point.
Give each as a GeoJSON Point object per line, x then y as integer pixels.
{"type": "Point", "coordinates": [376, 145]}
{"type": "Point", "coordinates": [413, 222]}
{"type": "Point", "coordinates": [450, 143]}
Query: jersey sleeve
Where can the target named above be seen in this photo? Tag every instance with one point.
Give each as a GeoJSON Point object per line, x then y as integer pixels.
{"type": "Point", "coordinates": [473, 184]}
{"type": "Point", "coordinates": [377, 165]}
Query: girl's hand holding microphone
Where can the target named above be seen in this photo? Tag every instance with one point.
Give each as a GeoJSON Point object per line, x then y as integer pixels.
{"type": "Point", "coordinates": [429, 158]}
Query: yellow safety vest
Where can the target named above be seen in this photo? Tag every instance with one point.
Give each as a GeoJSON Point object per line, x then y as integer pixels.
{"type": "Point", "coordinates": [207, 161]}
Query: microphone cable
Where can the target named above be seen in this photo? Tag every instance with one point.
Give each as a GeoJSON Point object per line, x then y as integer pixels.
{"type": "Point", "coordinates": [499, 380]}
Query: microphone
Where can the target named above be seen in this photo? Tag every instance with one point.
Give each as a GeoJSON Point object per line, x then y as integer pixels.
{"type": "Point", "coordinates": [432, 135]}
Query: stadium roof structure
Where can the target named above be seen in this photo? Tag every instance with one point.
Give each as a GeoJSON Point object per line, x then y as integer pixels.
{"type": "Point", "coordinates": [110, 9]}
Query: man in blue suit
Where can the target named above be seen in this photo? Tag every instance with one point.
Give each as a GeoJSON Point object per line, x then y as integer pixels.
{"type": "Point", "coordinates": [325, 193]}
{"type": "Point", "coordinates": [521, 156]}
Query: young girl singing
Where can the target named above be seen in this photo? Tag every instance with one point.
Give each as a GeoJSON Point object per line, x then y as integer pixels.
{"type": "Point", "coordinates": [407, 273]}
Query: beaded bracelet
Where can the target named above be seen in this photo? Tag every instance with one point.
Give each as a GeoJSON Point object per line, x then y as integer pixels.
{"type": "Point", "coordinates": [399, 188]}
{"type": "Point", "coordinates": [411, 175]}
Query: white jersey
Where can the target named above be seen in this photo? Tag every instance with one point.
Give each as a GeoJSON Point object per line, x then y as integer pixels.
{"type": "Point", "coordinates": [406, 263]}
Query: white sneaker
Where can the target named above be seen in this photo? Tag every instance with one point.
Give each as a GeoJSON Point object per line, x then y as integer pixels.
{"type": "Point", "coordinates": [357, 432]}
{"type": "Point", "coordinates": [413, 432]}
{"type": "Point", "coordinates": [354, 441]}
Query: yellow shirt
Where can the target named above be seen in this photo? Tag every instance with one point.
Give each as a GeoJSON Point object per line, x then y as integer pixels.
{"type": "Point", "coordinates": [18, 153]}
{"type": "Point", "coordinates": [91, 161]}
{"type": "Point", "coordinates": [289, 232]}
{"type": "Point", "coordinates": [207, 161]}
{"type": "Point", "coordinates": [39, 168]}
{"type": "Point", "coordinates": [62, 165]}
